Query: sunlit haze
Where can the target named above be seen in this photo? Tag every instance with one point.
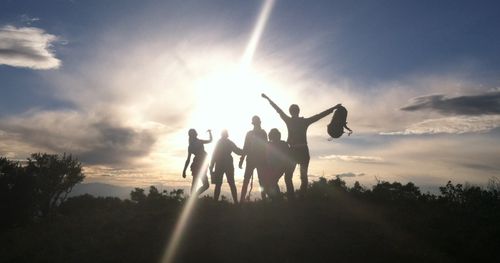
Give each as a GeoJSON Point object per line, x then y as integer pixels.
{"type": "Point", "coordinates": [119, 84]}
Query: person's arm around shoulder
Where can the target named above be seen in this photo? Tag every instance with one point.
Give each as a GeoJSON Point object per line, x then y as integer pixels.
{"type": "Point", "coordinates": [245, 150]}
{"type": "Point", "coordinates": [236, 149]}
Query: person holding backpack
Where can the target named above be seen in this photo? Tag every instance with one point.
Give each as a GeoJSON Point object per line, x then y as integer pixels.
{"type": "Point", "coordinates": [297, 140]}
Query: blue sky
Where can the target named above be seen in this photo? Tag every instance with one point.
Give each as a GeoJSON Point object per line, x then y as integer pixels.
{"type": "Point", "coordinates": [118, 83]}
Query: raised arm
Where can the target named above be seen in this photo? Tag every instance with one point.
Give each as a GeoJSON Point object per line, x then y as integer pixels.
{"type": "Point", "coordinates": [321, 115]}
{"type": "Point", "coordinates": [188, 160]}
{"type": "Point", "coordinates": [280, 111]}
{"type": "Point", "coordinates": [209, 137]}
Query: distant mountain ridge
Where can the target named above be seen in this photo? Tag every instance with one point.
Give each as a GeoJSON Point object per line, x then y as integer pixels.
{"type": "Point", "coordinates": [102, 190]}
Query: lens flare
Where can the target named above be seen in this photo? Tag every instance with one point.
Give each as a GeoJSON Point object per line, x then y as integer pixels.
{"type": "Point", "coordinates": [183, 221]}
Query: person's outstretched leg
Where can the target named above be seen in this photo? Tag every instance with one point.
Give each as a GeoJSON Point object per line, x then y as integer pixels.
{"type": "Point", "coordinates": [204, 187]}
{"type": "Point", "coordinates": [246, 181]}
{"type": "Point", "coordinates": [193, 184]}
{"type": "Point", "coordinates": [232, 185]}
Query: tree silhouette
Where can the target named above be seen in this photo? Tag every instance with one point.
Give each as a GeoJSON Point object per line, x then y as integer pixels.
{"type": "Point", "coordinates": [55, 177]}
{"type": "Point", "coordinates": [37, 188]}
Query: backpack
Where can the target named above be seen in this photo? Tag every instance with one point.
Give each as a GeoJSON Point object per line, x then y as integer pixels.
{"type": "Point", "coordinates": [339, 121]}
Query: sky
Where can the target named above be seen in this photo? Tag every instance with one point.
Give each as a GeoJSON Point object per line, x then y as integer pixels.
{"type": "Point", "coordinates": [119, 83]}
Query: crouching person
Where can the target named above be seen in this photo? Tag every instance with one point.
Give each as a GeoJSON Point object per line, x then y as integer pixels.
{"type": "Point", "coordinates": [277, 163]}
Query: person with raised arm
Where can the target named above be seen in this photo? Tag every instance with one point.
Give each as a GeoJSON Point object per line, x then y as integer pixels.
{"type": "Point", "coordinates": [222, 163]}
{"type": "Point", "coordinates": [297, 140]}
{"type": "Point", "coordinates": [199, 165]}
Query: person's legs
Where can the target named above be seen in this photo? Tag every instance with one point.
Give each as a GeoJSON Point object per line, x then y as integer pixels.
{"type": "Point", "coordinates": [217, 180]}
{"type": "Point", "coordinates": [304, 166]}
{"type": "Point", "coordinates": [261, 175]}
{"type": "Point", "coordinates": [289, 183]}
{"type": "Point", "coordinates": [205, 185]}
{"type": "Point", "coordinates": [193, 184]}
{"type": "Point", "coordinates": [246, 179]}
{"type": "Point", "coordinates": [303, 176]}
{"type": "Point", "coordinates": [217, 191]}
{"type": "Point", "coordinates": [232, 185]}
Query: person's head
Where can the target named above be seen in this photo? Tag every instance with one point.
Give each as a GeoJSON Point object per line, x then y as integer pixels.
{"type": "Point", "coordinates": [192, 133]}
{"type": "Point", "coordinates": [274, 135]}
{"type": "Point", "coordinates": [224, 134]}
{"type": "Point", "coordinates": [256, 120]}
{"type": "Point", "coordinates": [294, 110]}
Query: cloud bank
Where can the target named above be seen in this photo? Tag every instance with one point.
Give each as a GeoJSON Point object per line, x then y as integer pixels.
{"type": "Point", "coordinates": [95, 139]}
{"type": "Point", "coordinates": [451, 125]}
{"type": "Point", "coordinates": [27, 47]}
{"type": "Point", "coordinates": [487, 103]}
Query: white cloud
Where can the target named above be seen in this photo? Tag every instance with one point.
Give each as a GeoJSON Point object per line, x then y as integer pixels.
{"type": "Point", "coordinates": [27, 47]}
{"type": "Point", "coordinates": [28, 19]}
{"type": "Point", "coordinates": [451, 125]}
{"type": "Point", "coordinates": [353, 158]}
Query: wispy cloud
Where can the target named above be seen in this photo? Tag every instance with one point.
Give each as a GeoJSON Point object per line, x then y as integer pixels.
{"type": "Point", "coordinates": [28, 20]}
{"type": "Point", "coordinates": [486, 103]}
{"type": "Point", "coordinates": [451, 125]}
{"type": "Point", "coordinates": [27, 47]}
{"type": "Point", "coordinates": [353, 158]}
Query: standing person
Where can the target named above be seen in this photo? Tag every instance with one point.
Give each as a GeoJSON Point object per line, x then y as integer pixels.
{"type": "Point", "coordinates": [199, 165]}
{"type": "Point", "coordinates": [297, 139]}
{"type": "Point", "coordinates": [277, 163]}
{"type": "Point", "coordinates": [254, 151]}
{"type": "Point", "coordinates": [222, 163]}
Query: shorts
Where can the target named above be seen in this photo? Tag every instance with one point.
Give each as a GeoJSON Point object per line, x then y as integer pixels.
{"type": "Point", "coordinates": [250, 167]}
{"type": "Point", "coordinates": [220, 170]}
{"type": "Point", "coordinates": [300, 154]}
{"type": "Point", "coordinates": [196, 166]}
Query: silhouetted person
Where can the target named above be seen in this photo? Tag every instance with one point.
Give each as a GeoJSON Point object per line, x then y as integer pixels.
{"type": "Point", "coordinates": [254, 150]}
{"type": "Point", "coordinates": [277, 163]}
{"type": "Point", "coordinates": [297, 139]}
{"type": "Point", "coordinates": [222, 163]}
{"type": "Point", "coordinates": [199, 165]}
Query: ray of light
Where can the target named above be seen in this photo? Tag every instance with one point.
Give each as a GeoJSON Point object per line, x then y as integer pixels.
{"type": "Point", "coordinates": [257, 33]}
{"type": "Point", "coordinates": [182, 222]}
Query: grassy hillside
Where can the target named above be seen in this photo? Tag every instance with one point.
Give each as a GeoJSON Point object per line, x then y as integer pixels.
{"type": "Point", "coordinates": [332, 223]}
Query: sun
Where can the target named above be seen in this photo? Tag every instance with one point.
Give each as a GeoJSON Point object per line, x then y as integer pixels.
{"type": "Point", "coordinates": [228, 97]}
